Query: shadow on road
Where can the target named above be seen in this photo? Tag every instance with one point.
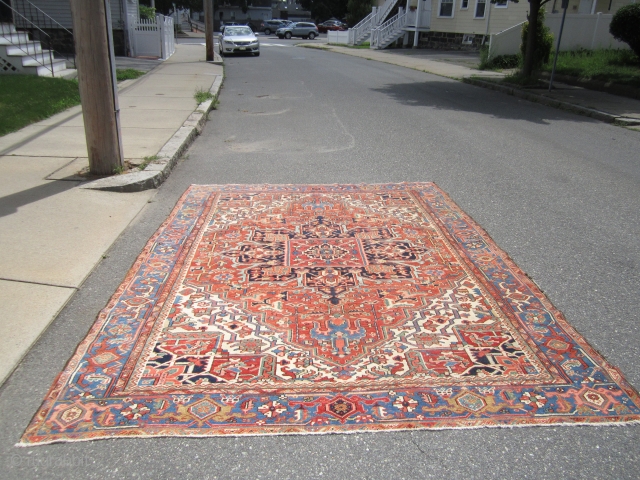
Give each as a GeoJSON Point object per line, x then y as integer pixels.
{"type": "Point", "coordinates": [457, 96]}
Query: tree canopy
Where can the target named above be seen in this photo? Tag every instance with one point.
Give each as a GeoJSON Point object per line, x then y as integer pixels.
{"type": "Point", "coordinates": [166, 6]}
{"type": "Point", "coordinates": [357, 10]}
{"type": "Point", "coordinates": [322, 10]}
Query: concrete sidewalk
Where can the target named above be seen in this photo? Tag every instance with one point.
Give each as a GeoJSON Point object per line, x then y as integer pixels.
{"type": "Point", "coordinates": [55, 226]}
{"type": "Point", "coordinates": [460, 66]}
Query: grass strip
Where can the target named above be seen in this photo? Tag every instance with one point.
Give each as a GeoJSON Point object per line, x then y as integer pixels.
{"type": "Point", "coordinates": [617, 66]}
{"type": "Point", "coordinates": [128, 74]}
{"type": "Point", "coordinates": [25, 99]}
{"type": "Point", "coordinates": [202, 95]}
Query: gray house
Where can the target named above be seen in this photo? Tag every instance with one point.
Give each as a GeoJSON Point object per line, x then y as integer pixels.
{"type": "Point", "coordinates": [53, 18]}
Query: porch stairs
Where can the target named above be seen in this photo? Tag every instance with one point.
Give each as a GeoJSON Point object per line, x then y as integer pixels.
{"type": "Point", "coordinates": [390, 31]}
{"type": "Point", "coordinates": [21, 50]}
{"type": "Point", "coordinates": [380, 31]}
{"type": "Point", "coordinates": [20, 55]}
{"type": "Point", "coordinates": [362, 31]}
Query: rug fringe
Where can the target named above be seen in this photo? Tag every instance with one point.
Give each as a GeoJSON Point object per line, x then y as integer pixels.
{"type": "Point", "coordinates": [331, 432]}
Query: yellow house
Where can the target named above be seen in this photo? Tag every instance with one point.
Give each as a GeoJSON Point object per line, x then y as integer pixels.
{"type": "Point", "coordinates": [457, 24]}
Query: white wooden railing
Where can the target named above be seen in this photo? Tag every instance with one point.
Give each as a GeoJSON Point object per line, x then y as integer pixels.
{"type": "Point", "coordinates": [389, 31]}
{"type": "Point", "coordinates": [384, 10]}
{"type": "Point", "coordinates": [362, 30]}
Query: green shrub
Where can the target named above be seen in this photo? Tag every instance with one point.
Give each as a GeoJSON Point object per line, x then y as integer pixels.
{"type": "Point", "coordinates": [543, 42]}
{"type": "Point", "coordinates": [625, 26]}
{"type": "Point", "coordinates": [147, 12]}
{"type": "Point", "coordinates": [128, 74]}
{"type": "Point", "coordinates": [497, 63]}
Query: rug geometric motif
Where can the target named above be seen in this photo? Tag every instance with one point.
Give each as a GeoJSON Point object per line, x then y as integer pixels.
{"type": "Point", "coordinates": [272, 309]}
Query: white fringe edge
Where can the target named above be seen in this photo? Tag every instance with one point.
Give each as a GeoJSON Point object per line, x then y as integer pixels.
{"type": "Point", "coordinates": [329, 432]}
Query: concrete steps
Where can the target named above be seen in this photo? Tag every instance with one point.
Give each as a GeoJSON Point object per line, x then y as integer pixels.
{"type": "Point", "coordinates": [20, 55]}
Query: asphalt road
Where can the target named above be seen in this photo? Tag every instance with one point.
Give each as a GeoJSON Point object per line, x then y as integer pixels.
{"type": "Point", "coordinates": [559, 192]}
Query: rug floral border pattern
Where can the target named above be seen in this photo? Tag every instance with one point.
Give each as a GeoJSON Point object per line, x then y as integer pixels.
{"type": "Point", "coordinates": [591, 391]}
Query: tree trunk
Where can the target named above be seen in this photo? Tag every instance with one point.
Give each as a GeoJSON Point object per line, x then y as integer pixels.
{"type": "Point", "coordinates": [527, 69]}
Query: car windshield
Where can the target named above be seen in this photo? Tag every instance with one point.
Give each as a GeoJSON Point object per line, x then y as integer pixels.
{"type": "Point", "coordinates": [237, 31]}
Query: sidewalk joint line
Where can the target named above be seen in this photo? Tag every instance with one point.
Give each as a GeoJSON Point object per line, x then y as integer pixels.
{"type": "Point", "coordinates": [38, 283]}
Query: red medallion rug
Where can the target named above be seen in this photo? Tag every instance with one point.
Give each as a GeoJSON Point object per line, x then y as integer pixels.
{"type": "Point", "coordinates": [275, 309]}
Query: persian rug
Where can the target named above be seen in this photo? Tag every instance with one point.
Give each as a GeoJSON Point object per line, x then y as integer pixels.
{"type": "Point", "coordinates": [280, 309]}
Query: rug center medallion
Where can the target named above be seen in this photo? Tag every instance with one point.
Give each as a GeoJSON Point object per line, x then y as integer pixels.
{"type": "Point", "coordinates": [324, 288]}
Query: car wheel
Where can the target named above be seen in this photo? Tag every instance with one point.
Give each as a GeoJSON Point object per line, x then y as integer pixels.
{"type": "Point", "coordinates": [267, 31]}
{"type": "Point", "coordinates": [287, 35]}
{"type": "Point", "coordinates": [312, 36]}
{"type": "Point", "coordinates": [256, 54]}
{"type": "Point", "coordinates": [280, 37]}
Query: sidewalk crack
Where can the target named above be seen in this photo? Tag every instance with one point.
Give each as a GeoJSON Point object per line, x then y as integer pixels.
{"type": "Point", "coordinates": [38, 283]}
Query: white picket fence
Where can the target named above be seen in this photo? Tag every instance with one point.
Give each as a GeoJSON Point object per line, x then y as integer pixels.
{"type": "Point", "coordinates": [590, 32]}
{"type": "Point", "coordinates": [338, 37]}
{"type": "Point", "coordinates": [153, 38]}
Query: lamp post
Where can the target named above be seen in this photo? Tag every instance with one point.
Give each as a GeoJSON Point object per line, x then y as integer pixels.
{"type": "Point", "coordinates": [97, 84]}
{"type": "Point", "coordinates": [565, 4]}
{"type": "Point", "coordinates": [208, 29]}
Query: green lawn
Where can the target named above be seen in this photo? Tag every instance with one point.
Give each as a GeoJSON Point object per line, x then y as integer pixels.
{"type": "Point", "coordinates": [127, 74]}
{"type": "Point", "coordinates": [25, 99]}
{"type": "Point", "coordinates": [617, 66]}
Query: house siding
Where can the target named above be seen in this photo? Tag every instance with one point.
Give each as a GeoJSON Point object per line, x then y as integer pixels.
{"type": "Point", "coordinates": [60, 11]}
{"type": "Point", "coordinates": [447, 33]}
{"type": "Point", "coordinates": [463, 21]}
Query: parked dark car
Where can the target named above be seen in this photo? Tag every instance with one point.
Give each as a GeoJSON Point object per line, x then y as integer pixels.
{"type": "Point", "coordinates": [331, 25]}
{"type": "Point", "coordinates": [270, 26]}
{"type": "Point", "coordinates": [299, 29]}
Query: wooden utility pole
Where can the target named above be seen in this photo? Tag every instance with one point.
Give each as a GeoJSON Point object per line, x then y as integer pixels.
{"type": "Point", "coordinates": [208, 28]}
{"type": "Point", "coordinates": [96, 79]}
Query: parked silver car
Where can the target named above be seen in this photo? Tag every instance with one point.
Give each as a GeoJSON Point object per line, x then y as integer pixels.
{"type": "Point", "coordinates": [238, 39]}
{"type": "Point", "coordinates": [299, 29]}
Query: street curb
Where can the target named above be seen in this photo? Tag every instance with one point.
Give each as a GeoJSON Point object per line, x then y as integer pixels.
{"type": "Point", "coordinates": [606, 87]}
{"type": "Point", "coordinates": [158, 170]}
{"type": "Point", "coordinates": [516, 92]}
{"type": "Point", "coordinates": [532, 97]}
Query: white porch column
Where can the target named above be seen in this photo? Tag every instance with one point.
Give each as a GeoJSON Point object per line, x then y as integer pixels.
{"type": "Point", "coordinates": [416, 35]}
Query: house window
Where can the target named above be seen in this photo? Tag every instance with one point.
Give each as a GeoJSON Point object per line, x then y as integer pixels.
{"type": "Point", "coordinates": [464, 5]}
{"type": "Point", "coordinates": [468, 39]}
{"type": "Point", "coordinates": [501, 3]}
{"type": "Point", "coordinates": [480, 6]}
{"type": "Point", "coordinates": [446, 8]}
